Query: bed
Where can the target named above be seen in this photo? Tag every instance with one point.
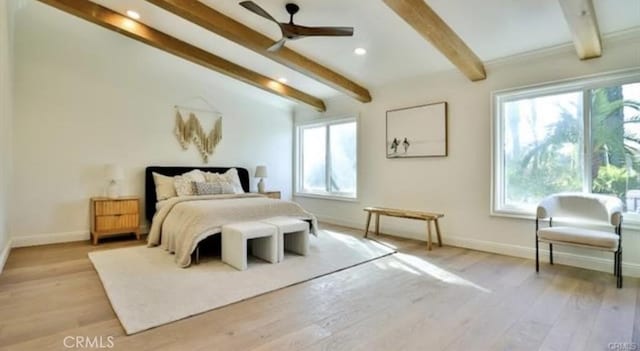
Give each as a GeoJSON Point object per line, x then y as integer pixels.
{"type": "Point", "coordinates": [181, 223]}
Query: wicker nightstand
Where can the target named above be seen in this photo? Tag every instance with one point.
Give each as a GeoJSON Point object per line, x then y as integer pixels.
{"type": "Point", "coordinates": [116, 216]}
{"type": "Point", "coordinates": [272, 194]}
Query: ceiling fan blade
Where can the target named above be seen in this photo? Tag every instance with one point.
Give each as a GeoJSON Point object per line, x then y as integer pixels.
{"type": "Point", "coordinates": [253, 7]}
{"type": "Point", "coordinates": [323, 31]}
{"type": "Point", "coordinates": [278, 45]}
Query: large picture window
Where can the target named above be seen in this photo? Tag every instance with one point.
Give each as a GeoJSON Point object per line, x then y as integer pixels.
{"type": "Point", "coordinates": [326, 160]}
{"type": "Point", "coordinates": [580, 136]}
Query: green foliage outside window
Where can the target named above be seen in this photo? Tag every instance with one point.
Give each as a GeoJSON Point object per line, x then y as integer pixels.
{"type": "Point", "coordinates": [554, 163]}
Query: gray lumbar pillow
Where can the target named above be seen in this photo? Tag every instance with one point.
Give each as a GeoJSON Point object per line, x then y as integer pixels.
{"type": "Point", "coordinates": [213, 188]}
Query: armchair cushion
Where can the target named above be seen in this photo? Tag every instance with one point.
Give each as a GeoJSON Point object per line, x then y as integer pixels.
{"type": "Point", "coordinates": [579, 236]}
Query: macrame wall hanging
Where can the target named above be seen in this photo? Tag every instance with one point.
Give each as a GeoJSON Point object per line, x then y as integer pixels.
{"type": "Point", "coordinates": [191, 131]}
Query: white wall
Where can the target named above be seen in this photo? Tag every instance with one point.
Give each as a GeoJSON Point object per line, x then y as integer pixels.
{"type": "Point", "coordinates": [459, 185]}
{"type": "Point", "coordinates": [6, 100]}
{"type": "Point", "coordinates": [86, 96]}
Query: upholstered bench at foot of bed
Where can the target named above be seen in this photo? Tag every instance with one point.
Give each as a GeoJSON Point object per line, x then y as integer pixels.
{"type": "Point", "coordinates": [264, 243]}
{"type": "Point", "coordinates": [293, 235]}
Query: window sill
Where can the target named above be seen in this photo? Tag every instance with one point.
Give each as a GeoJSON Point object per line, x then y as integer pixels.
{"type": "Point", "coordinates": [627, 223]}
{"type": "Point", "coordinates": [326, 197]}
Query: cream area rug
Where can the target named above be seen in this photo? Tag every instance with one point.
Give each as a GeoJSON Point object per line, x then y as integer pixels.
{"type": "Point", "coordinates": [147, 289]}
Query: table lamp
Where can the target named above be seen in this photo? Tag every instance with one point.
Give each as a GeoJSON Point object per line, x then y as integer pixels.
{"type": "Point", "coordinates": [261, 172]}
{"type": "Point", "coordinates": [114, 174]}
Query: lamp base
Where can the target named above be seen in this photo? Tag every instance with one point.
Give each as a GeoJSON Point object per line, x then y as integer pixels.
{"type": "Point", "coordinates": [261, 185]}
{"type": "Point", "coordinates": [113, 191]}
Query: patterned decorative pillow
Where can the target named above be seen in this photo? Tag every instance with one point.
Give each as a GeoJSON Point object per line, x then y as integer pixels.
{"type": "Point", "coordinates": [195, 175]}
{"type": "Point", "coordinates": [184, 186]}
{"type": "Point", "coordinates": [207, 188]}
{"type": "Point", "coordinates": [211, 177]}
{"type": "Point", "coordinates": [213, 188]}
{"type": "Point", "coordinates": [230, 176]}
{"type": "Point", "coordinates": [184, 183]}
{"type": "Point", "coordinates": [227, 188]}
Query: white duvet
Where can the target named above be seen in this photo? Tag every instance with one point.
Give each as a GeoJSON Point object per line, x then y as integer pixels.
{"type": "Point", "coordinates": [181, 223]}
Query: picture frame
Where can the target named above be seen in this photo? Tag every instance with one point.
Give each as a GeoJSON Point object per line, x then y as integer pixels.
{"type": "Point", "coordinates": [417, 131]}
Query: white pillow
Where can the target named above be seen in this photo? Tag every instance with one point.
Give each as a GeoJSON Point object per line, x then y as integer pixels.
{"type": "Point", "coordinates": [230, 176]}
{"type": "Point", "coordinates": [164, 186]}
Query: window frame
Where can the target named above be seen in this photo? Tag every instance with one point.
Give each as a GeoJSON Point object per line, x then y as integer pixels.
{"type": "Point", "coordinates": [498, 206]}
{"type": "Point", "coordinates": [299, 159]}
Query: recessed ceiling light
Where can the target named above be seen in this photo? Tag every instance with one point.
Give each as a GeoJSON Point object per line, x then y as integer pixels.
{"type": "Point", "coordinates": [282, 80]}
{"type": "Point", "coordinates": [133, 14]}
{"type": "Point", "coordinates": [360, 51]}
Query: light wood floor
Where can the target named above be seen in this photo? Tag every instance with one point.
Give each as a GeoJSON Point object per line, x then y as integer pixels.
{"type": "Point", "coordinates": [446, 299]}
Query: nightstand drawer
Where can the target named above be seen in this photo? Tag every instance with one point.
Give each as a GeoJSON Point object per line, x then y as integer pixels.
{"type": "Point", "coordinates": [117, 222]}
{"type": "Point", "coordinates": [273, 194]}
{"type": "Point", "coordinates": [116, 207]}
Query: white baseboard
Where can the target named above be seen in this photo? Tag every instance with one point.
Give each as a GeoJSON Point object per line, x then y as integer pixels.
{"type": "Point", "coordinates": [5, 254]}
{"type": "Point", "coordinates": [49, 238]}
{"type": "Point", "coordinates": [56, 238]}
{"type": "Point", "coordinates": [565, 258]}
{"type": "Point", "coordinates": [569, 259]}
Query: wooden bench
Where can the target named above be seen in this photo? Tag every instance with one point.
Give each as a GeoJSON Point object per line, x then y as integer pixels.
{"type": "Point", "coordinates": [393, 212]}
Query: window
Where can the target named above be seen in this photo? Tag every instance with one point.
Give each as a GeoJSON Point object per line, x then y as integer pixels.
{"type": "Point", "coordinates": [327, 159]}
{"type": "Point", "coordinates": [579, 136]}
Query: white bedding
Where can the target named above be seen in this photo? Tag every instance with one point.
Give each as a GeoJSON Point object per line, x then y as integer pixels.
{"type": "Point", "coordinates": [160, 203]}
{"type": "Point", "coordinates": [181, 223]}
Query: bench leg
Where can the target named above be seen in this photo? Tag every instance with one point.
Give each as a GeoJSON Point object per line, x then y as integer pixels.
{"type": "Point", "coordinates": [366, 228]}
{"type": "Point", "coordinates": [438, 232]}
{"type": "Point", "coordinates": [297, 242]}
{"type": "Point", "coordinates": [429, 241]}
{"type": "Point", "coordinates": [377, 224]}
{"type": "Point", "coordinates": [265, 248]}
{"type": "Point", "coordinates": [234, 250]}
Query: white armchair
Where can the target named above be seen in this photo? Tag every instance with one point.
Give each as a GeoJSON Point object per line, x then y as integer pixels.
{"type": "Point", "coordinates": [591, 209]}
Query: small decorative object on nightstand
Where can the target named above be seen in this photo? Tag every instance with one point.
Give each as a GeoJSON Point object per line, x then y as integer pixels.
{"type": "Point", "coordinates": [114, 216]}
{"type": "Point", "coordinates": [114, 174]}
{"type": "Point", "coordinates": [261, 172]}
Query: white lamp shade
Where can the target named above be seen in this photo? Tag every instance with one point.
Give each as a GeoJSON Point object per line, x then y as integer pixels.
{"type": "Point", "coordinates": [261, 172]}
{"type": "Point", "coordinates": [114, 172]}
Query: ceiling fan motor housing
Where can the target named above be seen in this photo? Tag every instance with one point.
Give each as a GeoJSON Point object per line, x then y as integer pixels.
{"type": "Point", "coordinates": [292, 8]}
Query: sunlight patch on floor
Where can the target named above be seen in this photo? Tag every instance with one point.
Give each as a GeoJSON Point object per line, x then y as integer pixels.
{"type": "Point", "coordinates": [413, 264]}
{"type": "Point", "coordinates": [354, 242]}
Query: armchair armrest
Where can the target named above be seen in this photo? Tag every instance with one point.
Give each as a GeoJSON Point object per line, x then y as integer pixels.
{"type": "Point", "coordinates": [547, 207]}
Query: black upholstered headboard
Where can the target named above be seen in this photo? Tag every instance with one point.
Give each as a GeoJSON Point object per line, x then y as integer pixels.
{"type": "Point", "coordinates": [150, 187]}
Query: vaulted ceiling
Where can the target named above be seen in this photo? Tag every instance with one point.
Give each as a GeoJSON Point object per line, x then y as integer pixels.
{"type": "Point", "coordinates": [492, 29]}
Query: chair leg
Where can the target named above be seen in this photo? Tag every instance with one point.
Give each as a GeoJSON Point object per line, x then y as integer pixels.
{"type": "Point", "coordinates": [551, 253]}
{"type": "Point", "coordinates": [537, 256]}
{"type": "Point", "coordinates": [619, 269]}
{"type": "Point", "coordinates": [615, 263]}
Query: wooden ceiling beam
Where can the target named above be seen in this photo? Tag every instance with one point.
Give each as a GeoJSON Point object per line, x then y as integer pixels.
{"type": "Point", "coordinates": [115, 21]}
{"type": "Point", "coordinates": [426, 22]}
{"type": "Point", "coordinates": [581, 17]}
{"type": "Point", "coordinates": [226, 27]}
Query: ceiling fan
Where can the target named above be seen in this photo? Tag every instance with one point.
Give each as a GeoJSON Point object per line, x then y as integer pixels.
{"type": "Point", "coordinates": [292, 31]}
